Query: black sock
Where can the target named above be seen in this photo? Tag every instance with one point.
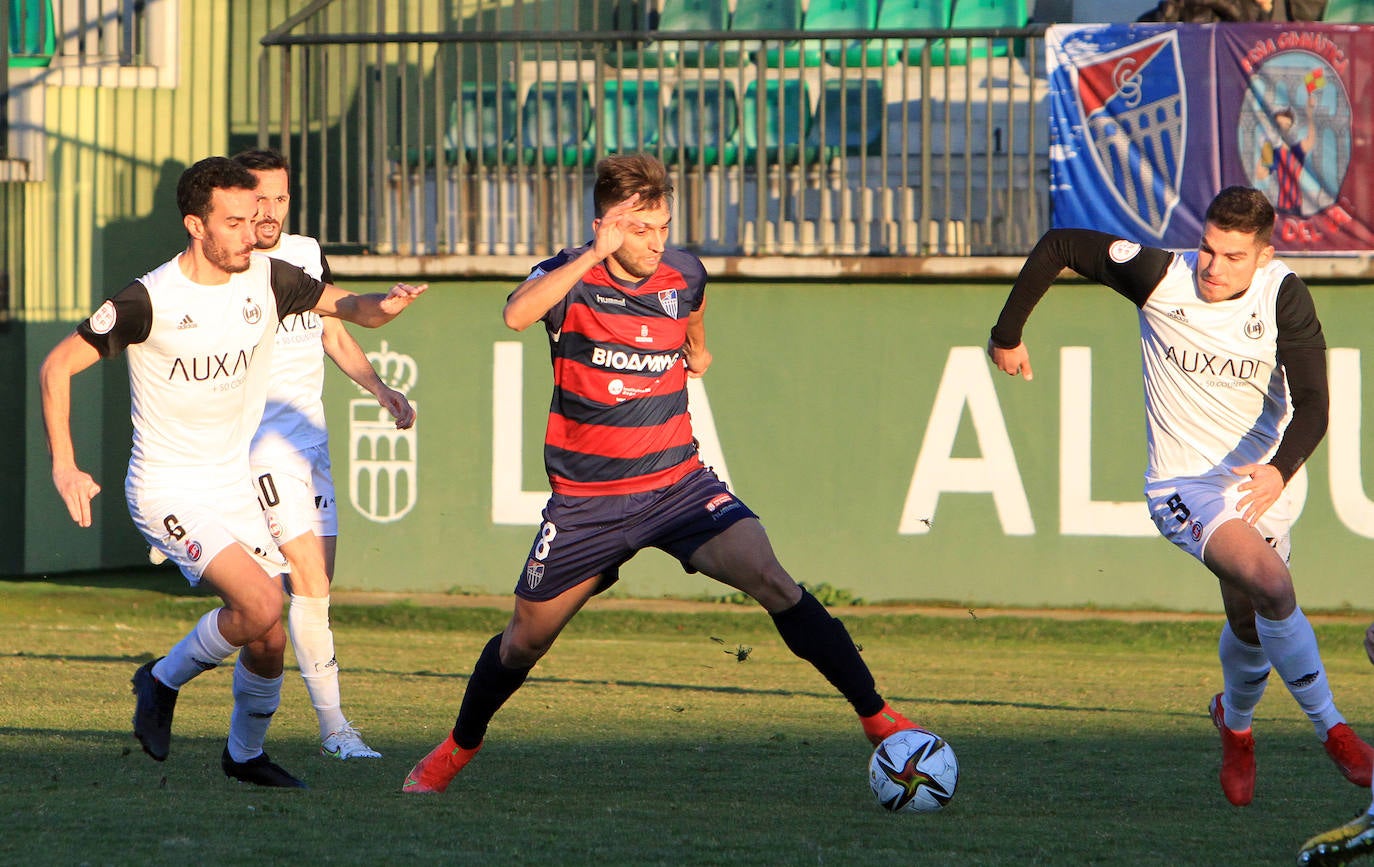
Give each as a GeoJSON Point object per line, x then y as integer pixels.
{"type": "Point", "coordinates": [811, 633]}
{"type": "Point", "coordinates": [488, 688]}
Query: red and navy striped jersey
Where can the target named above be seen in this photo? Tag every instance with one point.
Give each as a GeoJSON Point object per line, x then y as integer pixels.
{"type": "Point", "coordinates": [1287, 169]}
{"type": "Point", "coordinates": [618, 422]}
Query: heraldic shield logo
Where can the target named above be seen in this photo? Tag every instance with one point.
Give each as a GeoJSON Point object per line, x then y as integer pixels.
{"type": "Point", "coordinates": [1133, 105]}
{"type": "Point", "coordinates": [382, 479]}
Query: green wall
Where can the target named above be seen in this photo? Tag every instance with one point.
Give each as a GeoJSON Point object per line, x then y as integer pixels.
{"type": "Point", "coordinates": [823, 400]}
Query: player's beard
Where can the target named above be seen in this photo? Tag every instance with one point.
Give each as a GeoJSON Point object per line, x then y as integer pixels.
{"type": "Point", "coordinates": [268, 243]}
{"type": "Point", "coordinates": [221, 258]}
{"type": "Point", "coordinates": [637, 268]}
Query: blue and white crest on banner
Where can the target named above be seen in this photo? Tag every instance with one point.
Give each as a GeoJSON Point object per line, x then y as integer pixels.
{"type": "Point", "coordinates": [1133, 102]}
{"type": "Point", "coordinates": [667, 299]}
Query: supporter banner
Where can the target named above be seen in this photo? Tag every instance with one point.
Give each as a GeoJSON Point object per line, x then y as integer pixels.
{"type": "Point", "coordinates": [1148, 121]}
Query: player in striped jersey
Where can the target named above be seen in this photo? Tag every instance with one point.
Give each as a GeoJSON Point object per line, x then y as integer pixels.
{"type": "Point", "coordinates": [1286, 160]}
{"type": "Point", "coordinates": [624, 316]}
{"type": "Point", "coordinates": [198, 333]}
{"type": "Point", "coordinates": [1235, 401]}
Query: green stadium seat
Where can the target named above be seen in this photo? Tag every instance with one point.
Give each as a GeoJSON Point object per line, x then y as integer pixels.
{"type": "Point", "coordinates": [850, 119]}
{"type": "Point", "coordinates": [683, 16]}
{"type": "Point", "coordinates": [777, 123]}
{"type": "Point", "coordinates": [629, 113]}
{"type": "Point", "coordinates": [839, 15]}
{"type": "Point", "coordinates": [33, 41]}
{"type": "Point", "coordinates": [701, 123]}
{"type": "Point", "coordinates": [767, 15]}
{"type": "Point", "coordinates": [980, 13]}
{"type": "Point", "coordinates": [907, 15]}
{"type": "Point", "coordinates": [555, 125]}
{"type": "Point", "coordinates": [482, 123]}
{"type": "Point", "coordinates": [1349, 12]}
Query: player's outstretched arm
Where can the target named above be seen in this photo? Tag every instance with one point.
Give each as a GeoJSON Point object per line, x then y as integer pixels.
{"type": "Point", "coordinates": [76, 487]}
{"type": "Point", "coordinates": [345, 352]}
{"type": "Point", "coordinates": [371, 310]}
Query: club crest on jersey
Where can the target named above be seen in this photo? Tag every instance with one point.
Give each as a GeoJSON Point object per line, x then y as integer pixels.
{"type": "Point", "coordinates": [534, 573]}
{"type": "Point", "coordinates": [1254, 327]}
{"type": "Point", "coordinates": [667, 299]}
{"type": "Point", "coordinates": [1123, 251]}
{"type": "Point", "coordinates": [252, 312]}
{"type": "Point", "coordinates": [103, 319]}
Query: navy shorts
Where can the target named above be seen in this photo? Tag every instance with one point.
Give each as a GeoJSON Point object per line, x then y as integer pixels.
{"type": "Point", "coordinates": [582, 537]}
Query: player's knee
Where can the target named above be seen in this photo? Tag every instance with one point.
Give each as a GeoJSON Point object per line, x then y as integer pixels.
{"type": "Point", "coordinates": [309, 581]}
{"type": "Point", "coordinates": [773, 588]}
{"type": "Point", "coordinates": [258, 618]}
{"type": "Point", "coordinates": [272, 643]}
{"type": "Point", "coordinates": [1273, 596]}
{"type": "Point", "coordinates": [523, 651]}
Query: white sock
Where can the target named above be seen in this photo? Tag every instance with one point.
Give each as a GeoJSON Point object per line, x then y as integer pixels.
{"type": "Point", "coordinates": [202, 649]}
{"type": "Point", "coordinates": [255, 700]}
{"type": "Point", "coordinates": [1244, 675]}
{"type": "Point", "coordinates": [308, 624]}
{"type": "Point", "coordinates": [1291, 646]}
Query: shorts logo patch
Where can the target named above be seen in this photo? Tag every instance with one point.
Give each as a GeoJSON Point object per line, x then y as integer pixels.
{"type": "Point", "coordinates": [1197, 532]}
{"type": "Point", "coordinates": [274, 526]}
{"type": "Point", "coordinates": [718, 501]}
{"type": "Point", "coordinates": [534, 573]}
{"type": "Point", "coordinates": [193, 550]}
{"type": "Point", "coordinates": [103, 319]}
{"type": "Point", "coordinates": [720, 504]}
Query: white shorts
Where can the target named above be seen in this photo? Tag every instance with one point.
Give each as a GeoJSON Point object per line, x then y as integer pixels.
{"type": "Point", "coordinates": [296, 490]}
{"type": "Point", "coordinates": [1188, 511]}
{"type": "Point", "coordinates": [192, 526]}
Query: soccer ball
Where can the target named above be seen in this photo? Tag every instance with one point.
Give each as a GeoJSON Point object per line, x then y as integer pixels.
{"type": "Point", "coordinates": [913, 771]}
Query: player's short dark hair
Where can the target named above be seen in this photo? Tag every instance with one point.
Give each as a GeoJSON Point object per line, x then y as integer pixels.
{"type": "Point", "coordinates": [199, 182]}
{"type": "Point", "coordinates": [622, 175]}
{"type": "Point", "coordinates": [262, 160]}
{"type": "Point", "coordinates": [1242, 209]}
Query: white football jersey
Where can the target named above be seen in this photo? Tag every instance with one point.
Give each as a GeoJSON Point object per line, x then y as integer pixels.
{"type": "Point", "coordinates": [1215, 396]}
{"type": "Point", "coordinates": [192, 401]}
{"type": "Point", "coordinates": [294, 415]}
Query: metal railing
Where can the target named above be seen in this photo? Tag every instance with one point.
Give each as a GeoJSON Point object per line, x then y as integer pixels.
{"type": "Point", "coordinates": [921, 143]}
